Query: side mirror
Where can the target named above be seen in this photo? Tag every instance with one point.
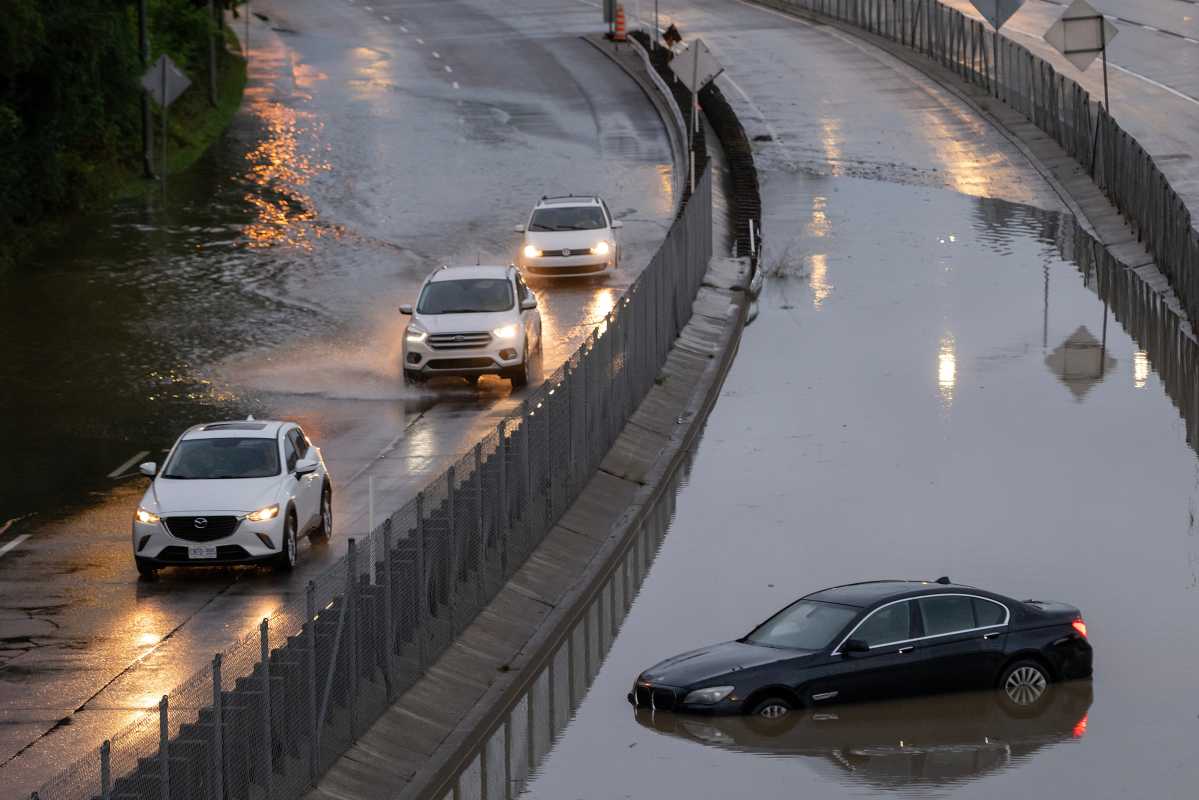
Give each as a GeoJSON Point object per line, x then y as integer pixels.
{"type": "Point", "coordinates": [855, 646]}
{"type": "Point", "coordinates": [519, 229]}
{"type": "Point", "coordinates": [528, 304]}
{"type": "Point", "coordinates": [406, 309]}
{"type": "Point", "coordinates": [617, 224]}
{"type": "Point", "coordinates": [306, 466]}
{"type": "Point", "coordinates": [149, 469]}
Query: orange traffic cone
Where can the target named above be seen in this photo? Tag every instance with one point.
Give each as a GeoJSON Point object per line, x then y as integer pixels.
{"type": "Point", "coordinates": [618, 35]}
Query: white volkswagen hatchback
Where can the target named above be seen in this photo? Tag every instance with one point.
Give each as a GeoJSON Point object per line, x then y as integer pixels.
{"type": "Point", "coordinates": [568, 237]}
{"type": "Point", "coordinates": [233, 493]}
{"type": "Point", "coordinates": [472, 321]}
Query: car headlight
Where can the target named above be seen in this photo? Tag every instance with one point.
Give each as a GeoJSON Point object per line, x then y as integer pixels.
{"type": "Point", "coordinates": [416, 333]}
{"type": "Point", "coordinates": [532, 252]}
{"type": "Point", "coordinates": [264, 514]}
{"type": "Point", "coordinates": [505, 332]}
{"type": "Point", "coordinates": [146, 517]}
{"type": "Point", "coordinates": [709, 696]}
{"type": "Point", "coordinates": [601, 249]}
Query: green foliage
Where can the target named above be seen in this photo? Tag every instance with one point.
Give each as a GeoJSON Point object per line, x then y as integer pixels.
{"type": "Point", "coordinates": [70, 99]}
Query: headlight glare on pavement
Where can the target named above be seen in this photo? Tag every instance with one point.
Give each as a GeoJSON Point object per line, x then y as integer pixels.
{"type": "Point", "coordinates": [146, 517]}
{"type": "Point", "coordinates": [601, 249]}
{"type": "Point", "coordinates": [532, 252]}
{"type": "Point", "coordinates": [709, 695]}
{"type": "Point", "coordinates": [505, 332]}
{"type": "Point", "coordinates": [264, 514]}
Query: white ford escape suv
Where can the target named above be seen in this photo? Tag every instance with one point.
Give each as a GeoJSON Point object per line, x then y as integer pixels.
{"type": "Point", "coordinates": [233, 493]}
{"type": "Point", "coordinates": [569, 237]}
{"type": "Point", "coordinates": [473, 321]}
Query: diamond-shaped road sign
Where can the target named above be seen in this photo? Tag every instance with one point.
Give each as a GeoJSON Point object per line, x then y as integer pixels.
{"type": "Point", "coordinates": [997, 12]}
{"type": "Point", "coordinates": [1081, 34]}
{"type": "Point", "coordinates": [696, 64]}
{"type": "Point", "coordinates": [165, 73]}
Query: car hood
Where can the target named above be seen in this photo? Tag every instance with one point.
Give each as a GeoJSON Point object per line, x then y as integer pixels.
{"type": "Point", "coordinates": [559, 240]}
{"type": "Point", "coordinates": [715, 660]}
{"type": "Point", "coordinates": [465, 323]}
{"type": "Point", "coordinates": [239, 496]}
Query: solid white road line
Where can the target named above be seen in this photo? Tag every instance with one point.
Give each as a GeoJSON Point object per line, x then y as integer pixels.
{"type": "Point", "coordinates": [12, 544]}
{"type": "Point", "coordinates": [116, 473]}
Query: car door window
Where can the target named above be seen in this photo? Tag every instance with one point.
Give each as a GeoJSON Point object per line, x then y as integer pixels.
{"type": "Point", "coordinates": [607, 212]}
{"type": "Point", "coordinates": [947, 614]}
{"type": "Point", "coordinates": [988, 612]}
{"type": "Point", "coordinates": [289, 454]}
{"type": "Point", "coordinates": [300, 441]}
{"type": "Point", "coordinates": [522, 291]}
{"type": "Point", "coordinates": [891, 623]}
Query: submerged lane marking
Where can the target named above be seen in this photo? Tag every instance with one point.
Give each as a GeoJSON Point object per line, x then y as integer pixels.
{"type": "Point", "coordinates": [4, 550]}
{"type": "Point", "coordinates": [116, 473]}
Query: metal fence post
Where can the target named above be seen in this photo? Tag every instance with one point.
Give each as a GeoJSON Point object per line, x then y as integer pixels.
{"type": "Point", "coordinates": [526, 479]}
{"type": "Point", "coordinates": [481, 580]}
{"type": "Point", "coordinates": [388, 619]}
{"type": "Point", "coordinates": [314, 723]}
{"type": "Point", "coordinates": [264, 647]}
{"type": "Point", "coordinates": [218, 731]}
{"type": "Point", "coordinates": [422, 581]}
{"type": "Point", "coordinates": [452, 589]}
{"type": "Point", "coordinates": [106, 770]}
{"type": "Point", "coordinates": [164, 751]}
{"type": "Point", "coordinates": [505, 512]}
{"type": "Point", "coordinates": [351, 596]}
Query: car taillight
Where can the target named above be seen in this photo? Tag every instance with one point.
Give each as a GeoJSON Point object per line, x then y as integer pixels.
{"type": "Point", "coordinates": [1080, 626]}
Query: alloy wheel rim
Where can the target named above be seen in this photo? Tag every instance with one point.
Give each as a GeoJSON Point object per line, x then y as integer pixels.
{"type": "Point", "coordinates": [1025, 685]}
{"type": "Point", "coordinates": [773, 711]}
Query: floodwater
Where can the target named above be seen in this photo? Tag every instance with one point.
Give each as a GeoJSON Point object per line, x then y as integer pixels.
{"type": "Point", "coordinates": [928, 390]}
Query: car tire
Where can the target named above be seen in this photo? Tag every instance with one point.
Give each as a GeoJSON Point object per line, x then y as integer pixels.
{"type": "Point", "coordinates": [1024, 685]}
{"type": "Point", "coordinates": [473, 380]}
{"type": "Point", "coordinates": [413, 378]}
{"type": "Point", "coordinates": [286, 560]}
{"type": "Point", "coordinates": [771, 708]}
{"type": "Point", "coordinates": [324, 527]}
{"type": "Point", "coordinates": [520, 375]}
{"type": "Point", "coordinates": [146, 568]}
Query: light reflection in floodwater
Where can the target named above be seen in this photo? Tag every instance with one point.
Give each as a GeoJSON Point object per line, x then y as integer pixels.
{"type": "Point", "coordinates": [947, 368]}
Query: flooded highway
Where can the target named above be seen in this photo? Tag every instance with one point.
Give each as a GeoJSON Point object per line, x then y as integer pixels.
{"type": "Point", "coordinates": [373, 145]}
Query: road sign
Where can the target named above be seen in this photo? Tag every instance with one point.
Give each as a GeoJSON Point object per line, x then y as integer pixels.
{"type": "Point", "coordinates": [1081, 34]}
{"type": "Point", "coordinates": [997, 12]}
{"type": "Point", "coordinates": [696, 65]}
{"type": "Point", "coordinates": [164, 81]}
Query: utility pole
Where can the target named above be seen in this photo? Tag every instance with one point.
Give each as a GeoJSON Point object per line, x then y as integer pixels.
{"type": "Point", "coordinates": [147, 130]}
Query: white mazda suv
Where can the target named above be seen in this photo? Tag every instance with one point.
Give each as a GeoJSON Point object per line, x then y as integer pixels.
{"type": "Point", "coordinates": [568, 237]}
{"type": "Point", "coordinates": [233, 493]}
{"type": "Point", "coordinates": [473, 321]}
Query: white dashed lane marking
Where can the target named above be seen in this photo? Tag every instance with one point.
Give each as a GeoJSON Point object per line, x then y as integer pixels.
{"type": "Point", "coordinates": [13, 544]}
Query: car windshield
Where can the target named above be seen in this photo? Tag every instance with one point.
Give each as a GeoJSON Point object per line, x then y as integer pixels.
{"type": "Point", "coordinates": [224, 457]}
{"type": "Point", "coordinates": [466, 296]}
{"type": "Point", "coordinates": [805, 625]}
{"type": "Point", "coordinates": [568, 218]}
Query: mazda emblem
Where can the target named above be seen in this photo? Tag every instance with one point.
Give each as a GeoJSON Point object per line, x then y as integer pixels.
{"type": "Point", "coordinates": [200, 522]}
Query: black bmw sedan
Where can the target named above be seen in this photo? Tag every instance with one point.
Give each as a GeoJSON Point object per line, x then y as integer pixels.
{"type": "Point", "coordinates": [873, 641]}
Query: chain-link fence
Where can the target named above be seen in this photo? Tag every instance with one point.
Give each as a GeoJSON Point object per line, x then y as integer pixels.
{"type": "Point", "coordinates": [1057, 105]}
{"type": "Point", "coordinates": [273, 712]}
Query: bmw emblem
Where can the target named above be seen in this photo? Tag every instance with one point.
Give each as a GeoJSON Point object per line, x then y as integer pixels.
{"type": "Point", "coordinates": [200, 522]}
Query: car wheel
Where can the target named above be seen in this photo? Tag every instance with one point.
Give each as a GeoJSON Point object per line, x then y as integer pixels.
{"type": "Point", "coordinates": [145, 569]}
{"type": "Point", "coordinates": [1024, 684]}
{"type": "Point", "coordinates": [286, 560]}
{"type": "Point", "coordinates": [520, 375]}
{"type": "Point", "coordinates": [324, 529]}
{"type": "Point", "coordinates": [413, 378]}
{"type": "Point", "coordinates": [473, 380]}
{"type": "Point", "coordinates": [771, 708]}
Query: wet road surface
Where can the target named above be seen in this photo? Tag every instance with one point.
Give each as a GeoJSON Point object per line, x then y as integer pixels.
{"type": "Point", "coordinates": [373, 145]}
{"type": "Point", "coordinates": [932, 387]}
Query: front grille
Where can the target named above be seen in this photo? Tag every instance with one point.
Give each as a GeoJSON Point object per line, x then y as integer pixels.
{"type": "Point", "coordinates": [224, 552]}
{"type": "Point", "coordinates": [663, 699]}
{"type": "Point", "coordinates": [458, 341]}
{"type": "Point", "coordinates": [460, 363]}
{"type": "Point", "coordinates": [570, 270]}
{"type": "Point", "coordinates": [655, 697]}
{"type": "Point", "coordinates": [643, 697]}
{"type": "Point", "coordinates": [209, 530]}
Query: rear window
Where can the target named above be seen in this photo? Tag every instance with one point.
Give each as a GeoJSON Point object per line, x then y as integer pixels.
{"type": "Point", "coordinates": [947, 614]}
{"type": "Point", "coordinates": [568, 218]}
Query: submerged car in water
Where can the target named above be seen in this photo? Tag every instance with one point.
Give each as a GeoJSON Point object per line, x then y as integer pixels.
{"type": "Point", "coordinates": [928, 741]}
{"type": "Point", "coordinates": [874, 641]}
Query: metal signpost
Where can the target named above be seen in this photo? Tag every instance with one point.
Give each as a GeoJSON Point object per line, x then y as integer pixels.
{"type": "Point", "coordinates": [164, 82]}
{"type": "Point", "coordinates": [996, 12]}
{"type": "Point", "coordinates": [696, 70]}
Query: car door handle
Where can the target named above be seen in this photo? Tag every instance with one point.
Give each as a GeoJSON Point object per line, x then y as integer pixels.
{"type": "Point", "coordinates": [990, 635]}
{"type": "Point", "coordinates": [907, 649]}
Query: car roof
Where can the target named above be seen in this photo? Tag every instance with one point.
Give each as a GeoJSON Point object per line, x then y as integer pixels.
{"type": "Point", "coordinates": [868, 593]}
{"type": "Point", "coordinates": [239, 428]}
{"type": "Point", "coordinates": [448, 273]}
{"type": "Point", "coordinates": [569, 200]}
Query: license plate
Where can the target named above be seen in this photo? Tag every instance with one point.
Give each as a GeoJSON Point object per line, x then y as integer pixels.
{"type": "Point", "coordinates": [206, 551]}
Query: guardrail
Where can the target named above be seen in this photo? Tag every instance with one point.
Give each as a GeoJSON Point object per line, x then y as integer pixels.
{"type": "Point", "coordinates": [1057, 105]}
{"type": "Point", "coordinates": [272, 713]}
